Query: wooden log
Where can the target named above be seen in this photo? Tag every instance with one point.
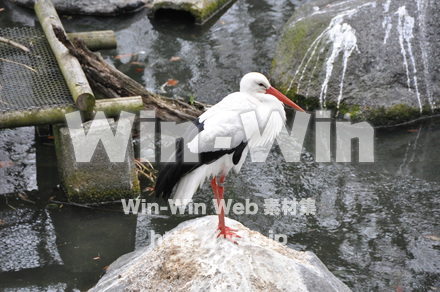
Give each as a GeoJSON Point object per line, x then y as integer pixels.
{"type": "Point", "coordinates": [96, 40]}
{"type": "Point", "coordinates": [69, 65]}
{"type": "Point", "coordinates": [56, 115]}
{"type": "Point", "coordinates": [110, 82]}
{"type": "Point", "coordinates": [113, 106]}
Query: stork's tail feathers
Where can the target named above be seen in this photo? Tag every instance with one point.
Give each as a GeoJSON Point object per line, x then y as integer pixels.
{"type": "Point", "coordinates": [165, 182]}
{"type": "Point", "coordinates": [171, 173]}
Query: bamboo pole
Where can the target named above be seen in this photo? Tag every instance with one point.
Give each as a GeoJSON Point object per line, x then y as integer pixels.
{"type": "Point", "coordinates": [96, 40]}
{"type": "Point", "coordinates": [69, 65]}
{"type": "Point", "coordinates": [112, 107]}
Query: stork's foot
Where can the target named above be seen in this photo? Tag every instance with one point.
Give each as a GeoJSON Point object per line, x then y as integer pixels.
{"type": "Point", "coordinates": [228, 233]}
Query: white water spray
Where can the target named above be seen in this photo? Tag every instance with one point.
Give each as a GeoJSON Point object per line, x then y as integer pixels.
{"type": "Point", "coordinates": [386, 23]}
{"type": "Point", "coordinates": [342, 39]}
{"type": "Point", "coordinates": [405, 29]}
{"type": "Point", "coordinates": [421, 7]}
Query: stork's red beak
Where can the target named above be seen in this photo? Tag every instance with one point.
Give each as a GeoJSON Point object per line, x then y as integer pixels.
{"type": "Point", "coordinates": [284, 99]}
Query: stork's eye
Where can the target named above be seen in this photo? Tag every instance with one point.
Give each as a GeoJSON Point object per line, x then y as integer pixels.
{"type": "Point", "coordinates": [262, 85]}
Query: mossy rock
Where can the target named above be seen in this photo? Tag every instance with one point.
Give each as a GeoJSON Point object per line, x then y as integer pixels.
{"type": "Point", "coordinates": [200, 10]}
{"type": "Point", "coordinates": [374, 61]}
{"type": "Point", "coordinates": [99, 180]}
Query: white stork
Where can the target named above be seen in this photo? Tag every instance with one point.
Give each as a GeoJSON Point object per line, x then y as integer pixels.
{"type": "Point", "coordinates": [224, 120]}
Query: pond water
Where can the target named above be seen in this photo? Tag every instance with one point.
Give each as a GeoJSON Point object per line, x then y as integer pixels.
{"type": "Point", "coordinates": [376, 224]}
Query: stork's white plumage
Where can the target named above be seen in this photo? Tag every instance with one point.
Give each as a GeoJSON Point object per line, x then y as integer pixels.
{"type": "Point", "coordinates": [226, 119]}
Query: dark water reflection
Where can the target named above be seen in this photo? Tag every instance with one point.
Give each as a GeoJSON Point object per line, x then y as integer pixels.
{"type": "Point", "coordinates": [376, 225]}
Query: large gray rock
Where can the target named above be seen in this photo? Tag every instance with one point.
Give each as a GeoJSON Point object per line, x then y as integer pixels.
{"type": "Point", "coordinates": [376, 60]}
{"type": "Point", "coordinates": [191, 258]}
{"type": "Point", "coordinates": [87, 7]}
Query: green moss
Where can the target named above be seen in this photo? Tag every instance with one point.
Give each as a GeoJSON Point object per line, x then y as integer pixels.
{"type": "Point", "coordinates": [212, 8]}
{"type": "Point", "coordinates": [390, 116]}
{"type": "Point", "coordinates": [77, 185]}
{"type": "Point", "coordinates": [354, 112]}
{"type": "Point", "coordinates": [296, 39]}
{"type": "Point", "coordinates": [88, 194]}
{"type": "Point", "coordinates": [380, 116]}
{"type": "Point", "coordinates": [198, 15]}
{"type": "Point", "coordinates": [308, 104]}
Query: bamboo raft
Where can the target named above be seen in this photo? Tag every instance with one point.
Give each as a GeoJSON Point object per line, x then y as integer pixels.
{"type": "Point", "coordinates": [41, 81]}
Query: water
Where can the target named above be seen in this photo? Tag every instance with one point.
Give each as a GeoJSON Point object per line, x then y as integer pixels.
{"type": "Point", "coordinates": [376, 225]}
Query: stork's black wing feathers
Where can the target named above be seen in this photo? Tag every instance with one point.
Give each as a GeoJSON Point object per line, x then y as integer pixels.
{"type": "Point", "coordinates": [172, 172]}
{"type": "Point", "coordinates": [238, 152]}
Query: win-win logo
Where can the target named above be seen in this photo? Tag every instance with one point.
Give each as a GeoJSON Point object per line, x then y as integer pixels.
{"type": "Point", "coordinates": [115, 140]}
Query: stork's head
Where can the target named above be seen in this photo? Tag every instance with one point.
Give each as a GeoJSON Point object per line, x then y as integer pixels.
{"type": "Point", "coordinates": [254, 83]}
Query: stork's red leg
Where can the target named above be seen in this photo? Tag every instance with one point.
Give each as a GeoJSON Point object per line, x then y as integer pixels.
{"type": "Point", "coordinates": [218, 190]}
{"type": "Point", "coordinates": [214, 186]}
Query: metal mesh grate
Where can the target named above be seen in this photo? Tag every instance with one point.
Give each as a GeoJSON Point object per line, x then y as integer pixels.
{"type": "Point", "coordinates": [20, 87]}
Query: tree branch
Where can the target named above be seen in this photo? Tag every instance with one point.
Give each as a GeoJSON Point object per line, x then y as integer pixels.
{"type": "Point", "coordinates": [110, 82]}
{"type": "Point", "coordinates": [12, 43]}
